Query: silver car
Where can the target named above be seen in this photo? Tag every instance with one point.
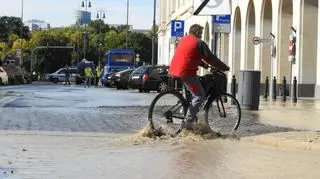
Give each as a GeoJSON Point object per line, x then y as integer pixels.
{"type": "Point", "coordinates": [3, 76]}
{"type": "Point", "coordinates": [60, 75]}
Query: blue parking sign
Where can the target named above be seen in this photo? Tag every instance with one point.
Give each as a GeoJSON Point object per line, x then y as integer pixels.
{"type": "Point", "coordinates": [177, 28]}
{"type": "Point", "coordinates": [222, 19]}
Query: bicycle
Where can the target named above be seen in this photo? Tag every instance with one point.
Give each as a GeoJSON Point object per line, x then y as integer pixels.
{"type": "Point", "coordinates": [216, 99]}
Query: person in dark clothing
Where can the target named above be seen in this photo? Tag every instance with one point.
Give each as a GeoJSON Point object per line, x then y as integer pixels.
{"type": "Point", "coordinates": [190, 53]}
{"type": "Point", "coordinates": [67, 73]}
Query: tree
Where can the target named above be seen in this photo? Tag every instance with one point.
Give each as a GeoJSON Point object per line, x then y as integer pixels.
{"type": "Point", "coordinates": [13, 25]}
{"type": "Point", "coordinates": [4, 49]}
{"type": "Point", "coordinates": [48, 59]}
{"type": "Point", "coordinates": [141, 44]}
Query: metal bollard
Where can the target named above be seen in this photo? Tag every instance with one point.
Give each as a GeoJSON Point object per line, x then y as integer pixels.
{"type": "Point", "coordinates": [233, 87]}
{"type": "Point", "coordinates": [294, 98]}
{"type": "Point", "coordinates": [266, 90]}
{"type": "Point", "coordinates": [274, 89]}
{"type": "Point", "coordinates": [284, 85]}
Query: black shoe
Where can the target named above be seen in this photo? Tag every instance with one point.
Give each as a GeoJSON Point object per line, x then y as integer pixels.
{"type": "Point", "coordinates": [190, 123]}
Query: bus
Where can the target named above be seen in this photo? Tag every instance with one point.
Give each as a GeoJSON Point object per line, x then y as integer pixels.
{"type": "Point", "coordinates": [119, 59]}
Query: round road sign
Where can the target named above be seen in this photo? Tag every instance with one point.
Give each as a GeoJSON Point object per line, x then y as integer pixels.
{"type": "Point", "coordinates": [256, 40]}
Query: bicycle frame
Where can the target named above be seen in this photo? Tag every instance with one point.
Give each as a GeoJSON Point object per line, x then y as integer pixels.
{"type": "Point", "coordinates": [213, 94]}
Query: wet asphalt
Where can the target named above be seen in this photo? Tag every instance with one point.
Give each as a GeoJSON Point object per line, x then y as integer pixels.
{"type": "Point", "coordinates": [55, 107]}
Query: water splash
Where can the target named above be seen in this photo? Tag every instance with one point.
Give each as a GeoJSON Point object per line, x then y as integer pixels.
{"type": "Point", "coordinates": [202, 132]}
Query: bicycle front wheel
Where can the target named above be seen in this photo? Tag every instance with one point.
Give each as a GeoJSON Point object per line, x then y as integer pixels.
{"type": "Point", "coordinates": [167, 112]}
{"type": "Point", "coordinates": [224, 114]}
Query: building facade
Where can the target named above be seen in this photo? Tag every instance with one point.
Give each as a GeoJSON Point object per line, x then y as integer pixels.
{"type": "Point", "coordinates": [250, 18]}
{"type": "Point", "coordinates": [37, 25]}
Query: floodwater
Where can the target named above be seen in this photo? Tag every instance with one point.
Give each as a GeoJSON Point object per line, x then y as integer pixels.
{"type": "Point", "coordinates": [51, 155]}
{"type": "Point", "coordinates": [73, 149]}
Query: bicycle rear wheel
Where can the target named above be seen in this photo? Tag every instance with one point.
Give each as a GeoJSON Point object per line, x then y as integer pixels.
{"type": "Point", "coordinates": [224, 114]}
{"type": "Point", "coordinates": [167, 112]}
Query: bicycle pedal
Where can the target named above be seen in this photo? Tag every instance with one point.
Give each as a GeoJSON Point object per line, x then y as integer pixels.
{"type": "Point", "coordinates": [169, 121]}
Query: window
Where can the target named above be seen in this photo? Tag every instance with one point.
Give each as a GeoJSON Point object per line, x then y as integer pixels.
{"type": "Point", "coordinates": [73, 71]}
{"type": "Point", "coordinates": [61, 71]}
{"type": "Point", "coordinates": [127, 58]}
{"type": "Point", "coordinates": [140, 70]}
{"type": "Point", "coordinates": [158, 71]}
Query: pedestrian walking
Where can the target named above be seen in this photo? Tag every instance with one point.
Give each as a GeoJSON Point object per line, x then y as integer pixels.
{"type": "Point", "coordinates": [67, 75]}
{"type": "Point", "coordinates": [98, 75]}
{"type": "Point", "coordinates": [88, 74]}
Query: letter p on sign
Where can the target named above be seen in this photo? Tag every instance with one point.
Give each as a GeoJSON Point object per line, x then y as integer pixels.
{"type": "Point", "coordinates": [177, 28]}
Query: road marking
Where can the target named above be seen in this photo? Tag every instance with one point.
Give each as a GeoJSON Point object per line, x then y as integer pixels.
{"type": "Point", "coordinates": [6, 100]}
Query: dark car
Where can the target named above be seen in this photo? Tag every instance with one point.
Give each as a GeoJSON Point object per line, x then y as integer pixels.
{"type": "Point", "coordinates": [147, 78]}
{"type": "Point", "coordinates": [120, 79]}
{"type": "Point", "coordinates": [106, 78]}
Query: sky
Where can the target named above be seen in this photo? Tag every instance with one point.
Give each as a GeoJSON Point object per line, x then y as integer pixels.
{"type": "Point", "coordinates": [61, 13]}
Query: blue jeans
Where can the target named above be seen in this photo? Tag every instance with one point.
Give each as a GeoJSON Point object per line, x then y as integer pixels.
{"type": "Point", "coordinates": [194, 85]}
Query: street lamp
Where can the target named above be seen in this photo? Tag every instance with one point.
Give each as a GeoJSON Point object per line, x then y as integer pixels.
{"type": "Point", "coordinates": [154, 33]}
{"type": "Point", "coordinates": [100, 15]}
{"type": "Point", "coordinates": [86, 6]}
{"type": "Point", "coordinates": [127, 26]}
{"type": "Point", "coordinates": [21, 56]}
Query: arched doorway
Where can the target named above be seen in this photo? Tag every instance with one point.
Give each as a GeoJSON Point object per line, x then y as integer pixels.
{"type": "Point", "coordinates": [266, 29]}
{"type": "Point", "coordinates": [309, 48]}
{"type": "Point", "coordinates": [250, 29]}
{"type": "Point", "coordinates": [237, 42]}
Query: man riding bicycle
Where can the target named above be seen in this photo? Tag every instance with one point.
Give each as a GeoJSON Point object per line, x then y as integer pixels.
{"type": "Point", "coordinates": [190, 53]}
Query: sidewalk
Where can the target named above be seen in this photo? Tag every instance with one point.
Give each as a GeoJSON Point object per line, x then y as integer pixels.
{"type": "Point", "coordinates": [303, 116]}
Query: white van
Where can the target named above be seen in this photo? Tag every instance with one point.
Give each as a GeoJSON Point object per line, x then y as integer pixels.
{"type": "Point", "coordinates": [3, 77]}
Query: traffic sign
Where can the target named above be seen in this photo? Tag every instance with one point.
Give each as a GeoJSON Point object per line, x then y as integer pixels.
{"type": "Point", "coordinates": [257, 40]}
{"type": "Point", "coordinates": [222, 19]}
{"type": "Point", "coordinates": [222, 24]}
{"type": "Point", "coordinates": [177, 28]}
{"type": "Point", "coordinates": [212, 7]}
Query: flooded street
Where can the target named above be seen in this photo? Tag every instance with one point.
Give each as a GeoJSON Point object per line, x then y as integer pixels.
{"type": "Point", "coordinates": [53, 131]}
{"type": "Point", "coordinates": [127, 157]}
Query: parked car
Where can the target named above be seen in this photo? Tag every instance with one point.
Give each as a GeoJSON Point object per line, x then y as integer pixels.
{"type": "Point", "coordinates": [147, 78]}
{"type": "Point", "coordinates": [3, 77]}
{"type": "Point", "coordinates": [60, 76]}
{"type": "Point", "coordinates": [106, 77]}
{"type": "Point", "coordinates": [120, 79]}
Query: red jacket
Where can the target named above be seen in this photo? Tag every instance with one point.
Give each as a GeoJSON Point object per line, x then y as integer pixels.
{"type": "Point", "coordinates": [190, 54]}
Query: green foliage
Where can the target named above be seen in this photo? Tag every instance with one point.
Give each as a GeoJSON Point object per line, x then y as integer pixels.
{"type": "Point", "coordinates": [12, 25]}
{"type": "Point", "coordinates": [100, 37]}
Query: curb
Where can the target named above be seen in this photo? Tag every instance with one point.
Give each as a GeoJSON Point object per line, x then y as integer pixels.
{"type": "Point", "coordinates": [281, 141]}
{"type": "Point", "coordinates": [58, 134]}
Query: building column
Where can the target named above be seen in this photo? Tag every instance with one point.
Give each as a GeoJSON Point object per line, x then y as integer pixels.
{"type": "Point", "coordinates": [258, 32]}
{"type": "Point", "coordinates": [244, 41]}
{"type": "Point", "coordinates": [231, 55]}
{"type": "Point", "coordinates": [297, 24]}
{"type": "Point", "coordinates": [276, 30]}
{"type": "Point", "coordinates": [317, 89]}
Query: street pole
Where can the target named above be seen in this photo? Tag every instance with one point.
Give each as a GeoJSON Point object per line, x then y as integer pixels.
{"type": "Point", "coordinates": [127, 26]}
{"type": "Point", "coordinates": [21, 32]}
{"type": "Point", "coordinates": [154, 33]}
{"type": "Point", "coordinates": [271, 66]}
{"type": "Point", "coordinates": [100, 17]}
{"type": "Point", "coordinates": [85, 27]}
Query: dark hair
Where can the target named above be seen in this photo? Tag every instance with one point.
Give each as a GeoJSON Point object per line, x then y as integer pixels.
{"type": "Point", "coordinates": [195, 28]}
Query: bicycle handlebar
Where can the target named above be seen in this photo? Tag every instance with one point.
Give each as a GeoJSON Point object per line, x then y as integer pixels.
{"type": "Point", "coordinates": [215, 70]}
